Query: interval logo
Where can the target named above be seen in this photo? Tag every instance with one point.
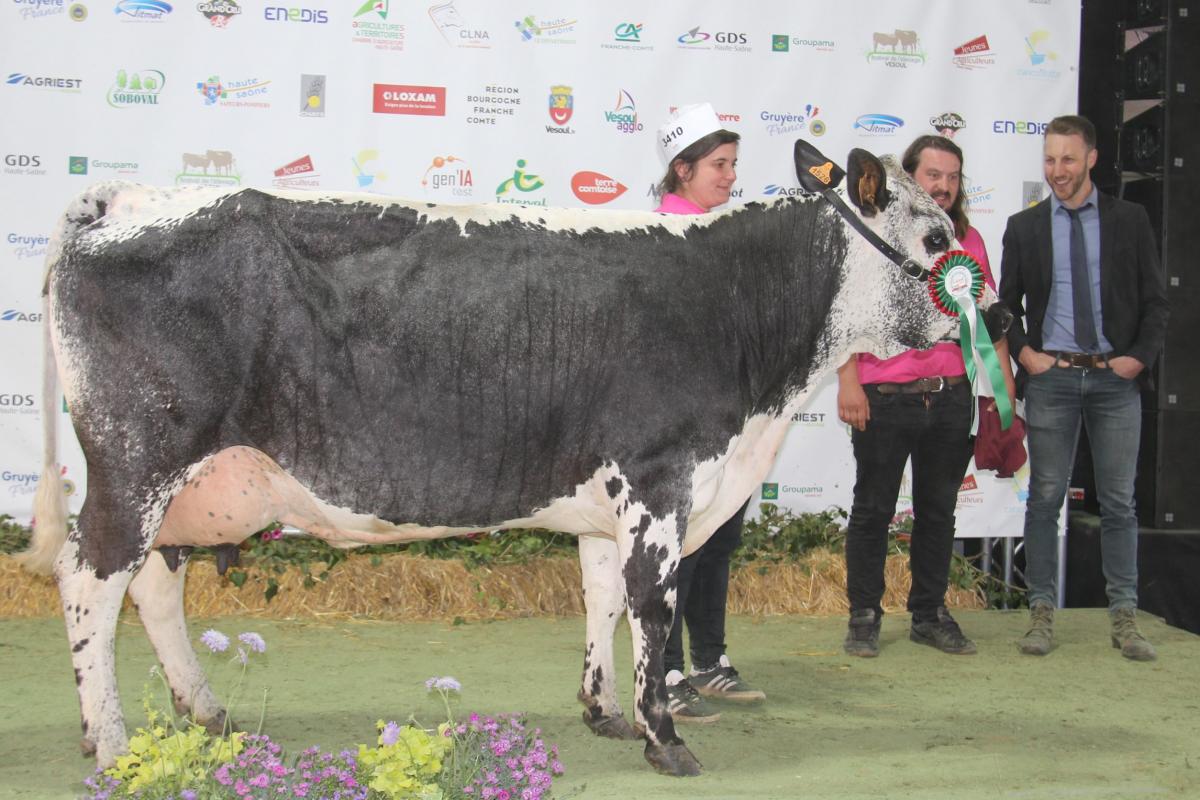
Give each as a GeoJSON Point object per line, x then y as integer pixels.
{"type": "Point", "coordinates": [521, 182]}
{"type": "Point", "coordinates": [421, 101]}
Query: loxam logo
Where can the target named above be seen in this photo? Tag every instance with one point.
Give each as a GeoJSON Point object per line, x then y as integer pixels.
{"type": "Point", "coordinates": [775, 190]}
{"type": "Point", "coordinates": [13, 315]}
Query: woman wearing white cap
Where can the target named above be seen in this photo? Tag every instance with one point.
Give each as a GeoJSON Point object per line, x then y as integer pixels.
{"type": "Point", "coordinates": [701, 160]}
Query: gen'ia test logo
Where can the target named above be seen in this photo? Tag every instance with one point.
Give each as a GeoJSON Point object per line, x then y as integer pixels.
{"type": "Point", "coordinates": [448, 177]}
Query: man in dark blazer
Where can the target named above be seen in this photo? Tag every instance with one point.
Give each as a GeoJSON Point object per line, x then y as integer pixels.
{"type": "Point", "coordinates": [1080, 272]}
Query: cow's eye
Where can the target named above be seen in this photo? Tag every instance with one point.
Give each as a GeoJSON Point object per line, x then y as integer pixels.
{"type": "Point", "coordinates": [936, 242]}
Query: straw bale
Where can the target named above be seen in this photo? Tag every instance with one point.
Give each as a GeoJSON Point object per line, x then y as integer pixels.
{"type": "Point", "coordinates": [404, 587]}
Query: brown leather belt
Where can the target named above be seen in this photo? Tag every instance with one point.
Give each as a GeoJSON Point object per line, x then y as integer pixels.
{"type": "Point", "coordinates": [921, 385]}
{"type": "Point", "coordinates": [1081, 360]}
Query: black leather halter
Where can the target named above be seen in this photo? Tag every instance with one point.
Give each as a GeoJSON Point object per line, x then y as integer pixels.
{"type": "Point", "coordinates": [909, 267]}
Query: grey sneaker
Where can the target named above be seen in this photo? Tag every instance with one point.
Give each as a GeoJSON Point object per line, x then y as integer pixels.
{"type": "Point", "coordinates": [862, 637]}
{"type": "Point", "coordinates": [1038, 640]}
{"type": "Point", "coordinates": [1127, 637]}
{"type": "Point", "coordinates": [942, 632]}
{"type": "Point", "coordinates": [685, 703]}
{"type": "Point", "coordinates": [723, 681]}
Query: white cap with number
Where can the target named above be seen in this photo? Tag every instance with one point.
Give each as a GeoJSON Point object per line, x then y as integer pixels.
{"type": "Point", "coordinates": [686, 126]}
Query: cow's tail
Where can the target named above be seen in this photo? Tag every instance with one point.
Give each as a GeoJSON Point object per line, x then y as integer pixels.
{"type": "Point", "coordinates": [50, 501]}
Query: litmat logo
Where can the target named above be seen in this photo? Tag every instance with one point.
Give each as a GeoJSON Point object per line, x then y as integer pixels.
{"type": "Point", "coordinates": [595, 188]}
{"type": "Point", "coordinates": [878, 123]}
{"type": "Point", "coordinates": [427, 101]}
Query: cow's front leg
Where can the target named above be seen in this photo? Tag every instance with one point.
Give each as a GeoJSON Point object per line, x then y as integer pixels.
{"type": "Point", "coordinates": [157, 591]}
{"type": "Point", "coordinates": [604, 597]}
{"type": "Point", "coordinates": [650, 549]}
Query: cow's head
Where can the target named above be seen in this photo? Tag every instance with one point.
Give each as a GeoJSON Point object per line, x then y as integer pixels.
{"type": "Point", "coordinates": [882, 307]}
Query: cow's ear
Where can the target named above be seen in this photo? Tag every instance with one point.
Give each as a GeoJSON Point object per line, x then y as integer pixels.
{"type": "Point", "coordinates": [867, 186]}
{"type": "Point", "coordinates": [816, 172]}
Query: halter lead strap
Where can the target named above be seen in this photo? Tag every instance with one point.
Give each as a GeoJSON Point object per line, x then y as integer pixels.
{"type": "Point", "coordinates": [909, 267]}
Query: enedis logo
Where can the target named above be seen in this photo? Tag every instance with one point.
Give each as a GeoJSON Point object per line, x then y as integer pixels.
{"type": "Point", "coordinates": [424, 101]}
{"type": "Point", "coordinates": [521, 182]}
{"type": "Point", "coordinates": [136, 88]}
{"type": "Point", "coordinates": [624, 115]}
{"type": "Point", "coordinates": [33, 9]}
{"type": "Point", "coordinates": [51, 83]}
{"type": "Point", "coordinates": [899, 49]}
{"type": "Point", "coordinates": [596, 188]}
{"type": "Point", "coordinates": [219, 12]}
{"type": "Point", "coordinates": [316, 16]}
{"type": "Point", "coordinates": [1019, 127]}
{"type": "Point", "coordinates": [448, 176]}
{"type": "Point", "coordinates": [562, 106]}
{"type": "Point", "coordinates": [371, 27]}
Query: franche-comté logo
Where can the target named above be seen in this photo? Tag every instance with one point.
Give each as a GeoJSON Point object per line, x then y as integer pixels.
{"type": "Point", "coordinates": [52, 83]}
{"type": "Point", "coordinates": [371, 27]}
{"type": "Point", "coordinates": [627, 36]}
{"type": "Point", "coordinates": [136, 88]}
{"type": "Point", "coordinates": [142, 10]}
{"type": "Point", "coordinates": [899, 49]}
{"type": "Point", "coordinates": [219, 12]}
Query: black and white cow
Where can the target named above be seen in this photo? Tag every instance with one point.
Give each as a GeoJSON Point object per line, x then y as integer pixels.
{"type": "Point", "coordinates": [336, 362]}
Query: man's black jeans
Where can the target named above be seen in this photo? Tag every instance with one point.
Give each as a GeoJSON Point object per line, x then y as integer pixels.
{"type": "Point", "coordinates": [934, 429]}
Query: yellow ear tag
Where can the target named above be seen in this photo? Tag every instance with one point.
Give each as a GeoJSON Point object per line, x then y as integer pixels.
{"type": "Point", "coordinates": [822, 172]}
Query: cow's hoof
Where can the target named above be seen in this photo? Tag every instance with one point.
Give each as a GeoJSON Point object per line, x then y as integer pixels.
{"type": "Point", "coordinates": [672, 759]}
{"type": "Point", "coordinates": [87, 747]}
{"type": "Point", "coordinates": [220, 725]}
{"type": "Point", "coordinates": [614, 727]}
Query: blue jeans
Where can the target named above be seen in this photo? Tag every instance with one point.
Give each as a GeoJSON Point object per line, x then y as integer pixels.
{"type": "Point", "coordinates": [935, 430]}
{"type": "Point", "coordinates": [1111, 407]}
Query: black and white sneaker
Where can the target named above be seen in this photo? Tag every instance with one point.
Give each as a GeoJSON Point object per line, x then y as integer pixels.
{"type": "Point", "coordinates": [685, 703]}
{"type": "Point", "coordinates": [722, 680]}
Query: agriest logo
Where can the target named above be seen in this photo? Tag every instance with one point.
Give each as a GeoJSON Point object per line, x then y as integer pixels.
{"type": "Point", "coordinates": [779, 190]}
{"type": "Point", "coordinates": [16, 316]}
{"type": "Point", "coordinates": [899, 49]}
{"type": "Point", "coordinates": [51, 83]}
{"type": "Point", "coordinates": [596, 188]}
{"type": "Point", "coordinates": [136, 88]}
{"type": "Point", "coordinates": [975, 54]}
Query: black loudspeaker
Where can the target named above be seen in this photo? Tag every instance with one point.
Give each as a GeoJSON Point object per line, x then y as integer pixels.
{"type": "Point", "coordinates": [1168, 465]}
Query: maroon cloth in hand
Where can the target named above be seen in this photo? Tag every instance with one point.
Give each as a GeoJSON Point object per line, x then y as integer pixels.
{"type": "Point", "coordinates": [1002, 451]}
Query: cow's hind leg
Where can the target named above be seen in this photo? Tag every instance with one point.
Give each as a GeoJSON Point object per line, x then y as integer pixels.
{"type": "Point", "coordinates": [604, 597]}
{"type": "Point", "coordinates": [157, 591]}
{"type": "Point", "coordinates": [650, 550]}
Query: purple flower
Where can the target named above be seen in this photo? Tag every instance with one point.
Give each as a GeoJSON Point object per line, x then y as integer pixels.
{"type": "Point", "coordinates": [253, 641]}
{"type": "Point", "coordinates": [187, 794]}
{"type": "Point", "coordinates": [391, 734]}
{"type": "Point", "coordinates": [215, 641]}
{"type": "Point", "coordinates": [446, 684]}
{"type": "Point", "coordinates": [241, 654]}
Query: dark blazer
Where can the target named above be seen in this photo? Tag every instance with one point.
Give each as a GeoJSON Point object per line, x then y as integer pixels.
{"type": "Point", "coordinates": [1133, 296]}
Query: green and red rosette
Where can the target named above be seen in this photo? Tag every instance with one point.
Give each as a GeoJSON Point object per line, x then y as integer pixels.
{"type": "Point", "coordinates": [955, 284]}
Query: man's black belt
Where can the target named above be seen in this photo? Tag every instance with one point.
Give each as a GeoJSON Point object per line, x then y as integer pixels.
{"type": "Point", "coordinates": [921, 385]}
{"type": "Point", "coordinates": [1082, 360]}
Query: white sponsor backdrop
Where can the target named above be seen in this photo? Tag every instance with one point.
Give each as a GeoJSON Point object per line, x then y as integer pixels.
{"type": "Point", "coordinates": [455, 102]}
